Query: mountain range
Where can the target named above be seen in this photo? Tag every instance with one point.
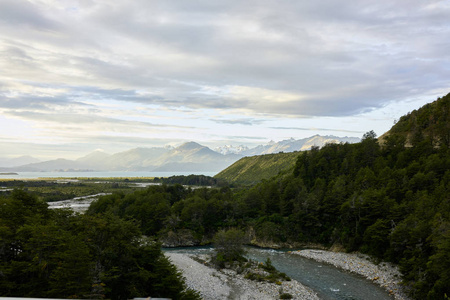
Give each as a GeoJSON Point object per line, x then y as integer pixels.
{"type": "Point", "coordinates": [189, 157]}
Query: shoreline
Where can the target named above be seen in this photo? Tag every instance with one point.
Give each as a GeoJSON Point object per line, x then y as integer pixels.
{"type": "Point", "coordinates": [384, 274]}
{"type": "Point", "coordinates": [224, 284]}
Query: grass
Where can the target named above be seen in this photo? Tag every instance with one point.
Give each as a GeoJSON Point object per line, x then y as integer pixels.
{"type": "Point", "coordinates": [253, 169]}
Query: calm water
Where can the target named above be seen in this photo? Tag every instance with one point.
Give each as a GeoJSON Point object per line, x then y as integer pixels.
{"type": "Point", "coordinates": [35, 175]}
{"type": "Point", "coordinates": [328, 282]}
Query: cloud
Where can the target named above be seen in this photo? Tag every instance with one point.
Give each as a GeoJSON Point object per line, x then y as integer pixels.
{"type": "Point", "coordinates": [241, 121]}
{"type": "Point", "coordinates": [331, 59]}
{"type": "Point", "coordinates": [92, 120]}
{"type": "Point", "coordinates": [24, 14]}
{"type": "Point", "coordinates": [239, 137]}
{"type": "Point", "coordinates": [64, 62]}
{"type": "Point", "coordinates": [318, 129]}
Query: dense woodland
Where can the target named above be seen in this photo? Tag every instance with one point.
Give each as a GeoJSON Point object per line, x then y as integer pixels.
{"type": "Point", "coordinates": [58, 254]}
{"type": "Point", "coordinates": [196, 180]}
{"type": "Point", "coordinates": [387, 198]}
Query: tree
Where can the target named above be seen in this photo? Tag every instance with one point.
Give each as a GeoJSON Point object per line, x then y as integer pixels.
{"type": "Point", "coordinates": [368, 149]}
{"type": "Point", "coordinates": [228, 246]}
{"type": "Point", "coordinates": [439, 263]}
{"type": "Point", "coordinates": [376, 238]}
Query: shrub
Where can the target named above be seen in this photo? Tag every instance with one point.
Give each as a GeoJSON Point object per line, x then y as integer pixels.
{"type": "Point", "coordinates": [229, 246]}
{"type": "Point", "coordinates": [286, 296]}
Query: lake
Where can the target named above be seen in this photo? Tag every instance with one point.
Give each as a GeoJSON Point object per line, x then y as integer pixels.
{"type": "Point", "coordinates": [36, 175]}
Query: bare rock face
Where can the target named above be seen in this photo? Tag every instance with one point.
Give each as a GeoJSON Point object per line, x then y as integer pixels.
{"type": "Point", "coordinates": [179, 238]}
{"type": "Point", "coordinates": [264, 242]}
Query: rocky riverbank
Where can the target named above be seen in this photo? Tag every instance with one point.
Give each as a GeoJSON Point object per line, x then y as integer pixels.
{"type": "Point", "coordinates": [384, 274]}
{"type": "Point", "coordinates": [227, 284]}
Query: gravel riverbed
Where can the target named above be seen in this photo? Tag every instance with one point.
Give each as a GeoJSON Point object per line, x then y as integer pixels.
{"type": "Point", "coordinates": [384, 274]}
{"type": "Point", "coordinates": [77, 204]}
{"type": "Point", "coordinates": [215, 284]}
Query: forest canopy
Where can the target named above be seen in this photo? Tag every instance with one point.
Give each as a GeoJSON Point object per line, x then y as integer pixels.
{"type": "Point", "coordinates": [58, 254]}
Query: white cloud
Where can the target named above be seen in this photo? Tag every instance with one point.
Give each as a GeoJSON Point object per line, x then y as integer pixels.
{"type": "Point", "coordinates": [185, 62]}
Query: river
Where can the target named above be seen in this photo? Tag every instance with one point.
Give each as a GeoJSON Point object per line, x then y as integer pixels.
{"type": "Point", "coordinates": [327, 281]}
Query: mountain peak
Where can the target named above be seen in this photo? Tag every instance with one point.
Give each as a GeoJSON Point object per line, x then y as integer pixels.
{"type": "Point", "coordinates": [94, 155]}
{"type": "Point", "coordinates": [230, 149]}
{"type": "Point", "coordinates": [190, 146]}
{"type": "Point", "coordinates": [18, 161]}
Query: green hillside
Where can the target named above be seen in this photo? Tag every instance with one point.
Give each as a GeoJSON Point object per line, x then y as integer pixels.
{"type": "Point", "coordinates": [253, 169]}
{"type": "Point", "coordinates": [432, 122]}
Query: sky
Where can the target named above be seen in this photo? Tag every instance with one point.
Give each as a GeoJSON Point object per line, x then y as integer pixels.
{"type": "Point", "coordinates": [78, 76]}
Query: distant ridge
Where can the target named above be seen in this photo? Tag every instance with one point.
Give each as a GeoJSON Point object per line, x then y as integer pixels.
{"type": "Point", "coordinates": [137, 159]}
{"type": "Point", "coordinates": [188, 157]}
{"type": "Point", "coordinates": [291, 145]}
{"type": "Point", "coordinates": [192, 156]}
{"type": "Point", "coordinates": [59, 164]}
{"type": "Point", "coordinates": [18, 161]}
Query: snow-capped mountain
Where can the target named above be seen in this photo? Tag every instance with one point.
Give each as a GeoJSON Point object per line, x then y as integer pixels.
{"type": "Point", "coordinates": [230, 149]}
{"type": "Point", "coordinates": [188, 157]}
{"type": "Point", "coordinates": [291, 145]}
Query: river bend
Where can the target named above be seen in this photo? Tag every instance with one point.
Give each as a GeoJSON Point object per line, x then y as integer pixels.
{"type": "Point", "coordinates": [327, 281]}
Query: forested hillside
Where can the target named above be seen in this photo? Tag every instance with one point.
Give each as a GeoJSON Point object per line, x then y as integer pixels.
{"type": "Point", "coordinates": [432, 121]}
{"type": "Point", "coordinates": [390, 201]}
{"type": "Point", "coordinates": [58, 254]}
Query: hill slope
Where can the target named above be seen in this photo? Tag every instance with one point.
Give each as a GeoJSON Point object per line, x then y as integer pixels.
{"type": "Point", "coordinates": [432, 121]}
{"type": "Point", "coordinates": [253, 169]}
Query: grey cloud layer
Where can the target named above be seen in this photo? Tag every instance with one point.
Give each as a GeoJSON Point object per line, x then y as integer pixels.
{"type": "Point", "coordinates": [331, 58]}
{"type": "Point", "coordinates": [73, 118]}
{"type": "Point", "coordinates": [319, 129]}
{"type": "Point", "coordinates": [241, 121]}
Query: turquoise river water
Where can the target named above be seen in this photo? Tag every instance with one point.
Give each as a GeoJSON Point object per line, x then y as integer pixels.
{"type": "Point", "coordinates": [327, 281]}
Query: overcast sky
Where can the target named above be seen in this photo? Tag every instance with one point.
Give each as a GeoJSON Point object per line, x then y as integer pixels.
{"type": "Point", "coordinates": [76, 76]}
